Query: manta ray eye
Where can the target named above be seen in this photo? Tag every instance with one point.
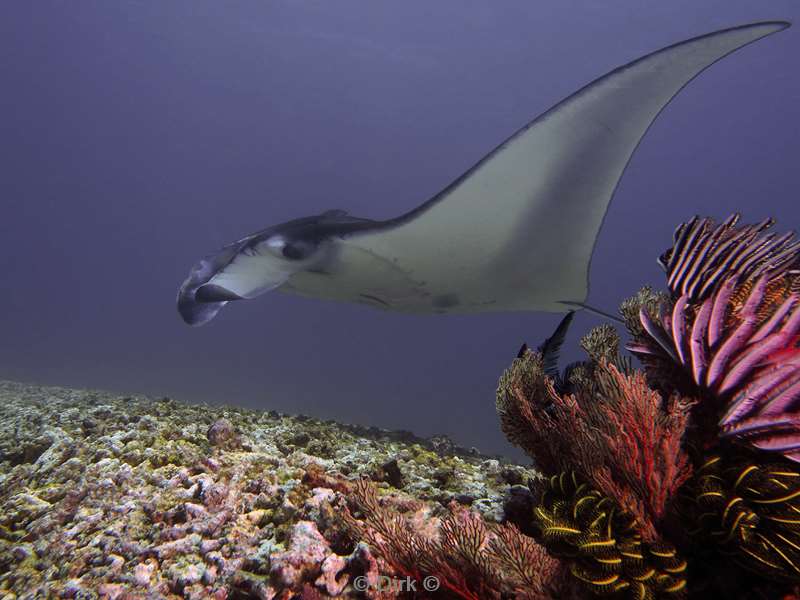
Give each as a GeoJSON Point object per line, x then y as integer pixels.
{"type": "Point", "coordinates": [291, 249]}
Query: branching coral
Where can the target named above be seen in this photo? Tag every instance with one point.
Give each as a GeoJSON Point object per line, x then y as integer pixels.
{"type": "Point", "coordinates": [468, 557]}
{"type": "Point", "coordinates": [612, 429]}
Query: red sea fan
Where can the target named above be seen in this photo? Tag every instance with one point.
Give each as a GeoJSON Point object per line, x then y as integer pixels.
{"type": "Point", "coordinates": [734, 326]}
{"type": "Point", "coordinates": [642, 433]}
{"type": "Point", "coordinates": [612, 429]}
{"type": "Point", "coordinates": [467, 557]}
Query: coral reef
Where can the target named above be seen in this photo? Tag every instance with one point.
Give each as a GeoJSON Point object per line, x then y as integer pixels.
{"type": "Point", "coordinates": [658, 478]}
{"type": "Point", "coordinates": [103, 496]}
{"type": "Point", "coordinates": [464, 555]}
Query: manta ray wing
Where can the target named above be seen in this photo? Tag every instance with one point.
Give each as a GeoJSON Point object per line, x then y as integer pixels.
{"type": "Point", "coordinates": [517, 231]}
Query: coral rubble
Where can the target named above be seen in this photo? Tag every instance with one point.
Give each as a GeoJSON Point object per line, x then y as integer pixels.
{"type": "Point", "coordinates": [127, 498]}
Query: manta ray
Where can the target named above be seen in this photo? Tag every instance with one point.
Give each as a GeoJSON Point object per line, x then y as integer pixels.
{"type": "Point", "coordinates": [515, 232]}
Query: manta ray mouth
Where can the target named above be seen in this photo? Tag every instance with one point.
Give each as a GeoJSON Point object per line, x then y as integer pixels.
{"type": "Point", "coordinates": [194, 312]}
{"type": "Point", "coordinates": [198, 305]}
{"type": "Point", "coordinates": [215, 293]}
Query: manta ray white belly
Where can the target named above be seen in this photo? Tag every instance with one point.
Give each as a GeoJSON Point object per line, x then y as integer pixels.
{"type": "Point", "coordinates": [359, 275]}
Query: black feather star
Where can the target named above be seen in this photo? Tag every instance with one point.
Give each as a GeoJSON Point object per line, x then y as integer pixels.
{"type": "Point", "coordinates": [551, 347]}
{"type": "Point", "coordinates": [550, 350]}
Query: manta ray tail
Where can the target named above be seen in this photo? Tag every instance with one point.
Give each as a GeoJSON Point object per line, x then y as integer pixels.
{"type": "Point", "coordinates": [596, 311]}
